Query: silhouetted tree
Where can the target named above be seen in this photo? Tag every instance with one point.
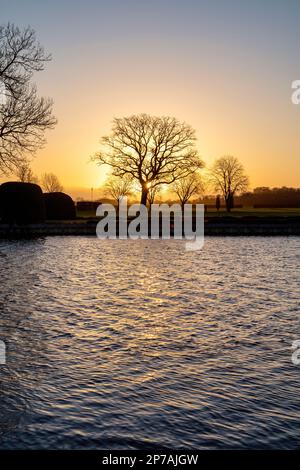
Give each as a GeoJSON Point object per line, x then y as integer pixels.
{"type": "Point", "coordinates": [152, 150]}
{"type": "Point", "coordinates": [24, 116]}
{"type": "Point", "coordinates": [25, 174]}
{"type": "Point", "coordinates": [50, 183]}
{"type": "Point", "coordinates": [117, 187]}
{"type": "Point", "coordinates": [153, 194]}
{"type": "Point", "coordinates": [187, 187]}
{"type": "Point", "coordinates": [218, 203]}
{"type": "Point", "coordinates": [228, 176]}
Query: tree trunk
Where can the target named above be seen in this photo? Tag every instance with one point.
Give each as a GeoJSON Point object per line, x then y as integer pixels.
{"type": "Point", "coordinates": [229, 202]}
{"type": "Point", "coordinates": [144, 195]}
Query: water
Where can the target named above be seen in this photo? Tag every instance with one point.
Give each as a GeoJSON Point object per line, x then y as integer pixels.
{"type": "Point", "coordinates": [139, 344]}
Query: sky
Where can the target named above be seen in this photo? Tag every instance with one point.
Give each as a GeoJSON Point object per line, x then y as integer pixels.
{"type": "Point", "coordinates": [223, 66]}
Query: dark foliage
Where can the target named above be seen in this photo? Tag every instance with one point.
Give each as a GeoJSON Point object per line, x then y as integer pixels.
{"type": "Point", "coordinates": [87, 205]}
{"type": "Point", "coordinates": [59, 206]}
{"type": "Point", "coordinates": [272, 197]}
{"type": "Point", "coordinates": [21, 203]}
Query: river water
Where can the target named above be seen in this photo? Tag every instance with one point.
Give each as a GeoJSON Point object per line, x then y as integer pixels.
{"type": "Point", "coordinates": [139, 344]}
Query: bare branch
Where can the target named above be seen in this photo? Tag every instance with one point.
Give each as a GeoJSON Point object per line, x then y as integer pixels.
{"type": "Point", "coordinates": [24, 117]}
{"type": "Point", "coordinates": [153, 150]}
{"type": "Point", "coordinates": [187, 187]}
{"type": "Point", "coordinates": [228, 176]}
{"type": "Point", "coordinates": [117, 187]}
{"type": "Point", "coordinates": [50, 183]}
{"type": "Point", "coordinates": [25, 174]}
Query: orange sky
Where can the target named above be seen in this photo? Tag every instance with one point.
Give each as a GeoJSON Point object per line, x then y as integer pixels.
{"type": "Point", "coordinates": [226, 71]}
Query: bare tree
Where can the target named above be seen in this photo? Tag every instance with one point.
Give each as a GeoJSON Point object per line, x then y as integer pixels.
{"type": "Point", "coordinates": [24, 116]}
{"type": "Point", "coordinates": [153, 193]}
{"type": "Point", "coordinates": [51, 183]}
{"type": "Point", "coordinates": [117, 187]}
{"type": "Point", "coordinates": [228, 176]}
{"type": "Point", "coordinates": [25, 174]}
{"type": "Point", "coordinates": [153, 150]}
{"type": "Point", "coordinates": [188, 187]}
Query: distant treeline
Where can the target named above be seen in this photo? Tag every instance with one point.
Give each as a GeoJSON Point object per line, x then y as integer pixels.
{"type": "Point", "coordinates": [262, 197]}
{"type": "Point", "coordinates": [265, 197]}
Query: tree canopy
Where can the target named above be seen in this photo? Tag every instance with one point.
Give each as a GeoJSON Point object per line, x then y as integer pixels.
{"type": "Point", "coordinates": [228, 176]}
{"type": "Point", "coordinates": [50, 183]}
{"type": "Point", "coordinates": [153, 150]}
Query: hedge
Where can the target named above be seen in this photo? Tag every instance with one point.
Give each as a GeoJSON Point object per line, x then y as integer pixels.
{"type": "Point", "coordinates": [21, 203]}
{"type": "Point", "coordinates": [59, 206]}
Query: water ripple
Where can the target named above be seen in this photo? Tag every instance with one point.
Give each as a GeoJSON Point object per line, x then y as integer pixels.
{"type": "Point", "coordinates": [139, 344]}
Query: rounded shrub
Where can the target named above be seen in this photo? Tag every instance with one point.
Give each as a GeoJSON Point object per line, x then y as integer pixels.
{"type": "Point", "coordinates": [21, 203]}
{"type": "Point", "coordinates": [59, 206]}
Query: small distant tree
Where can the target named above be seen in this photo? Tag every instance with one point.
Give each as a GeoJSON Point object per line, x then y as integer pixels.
{"type": "Point", "coordinates": [50, 183]}
{"type": "Point", "coordinates": [188, 187]}
{"type": "Point", "coordinates": [153, 194]}
{"type": "Point", "coordinates": [25, 174]}
{"type": "Point", "coordinates": [117, 187]}
{"type": "Point", "coordinates": [218, 203]}
{"type": "Point", "coordinates": [228, 176]}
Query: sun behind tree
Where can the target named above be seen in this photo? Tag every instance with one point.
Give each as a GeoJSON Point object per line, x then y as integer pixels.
{"type": "Point", "coordinates": [152, 150]}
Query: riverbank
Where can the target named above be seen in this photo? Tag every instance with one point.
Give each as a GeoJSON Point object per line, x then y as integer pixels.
{"type": "Point", "coordinates": [223, 226]}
